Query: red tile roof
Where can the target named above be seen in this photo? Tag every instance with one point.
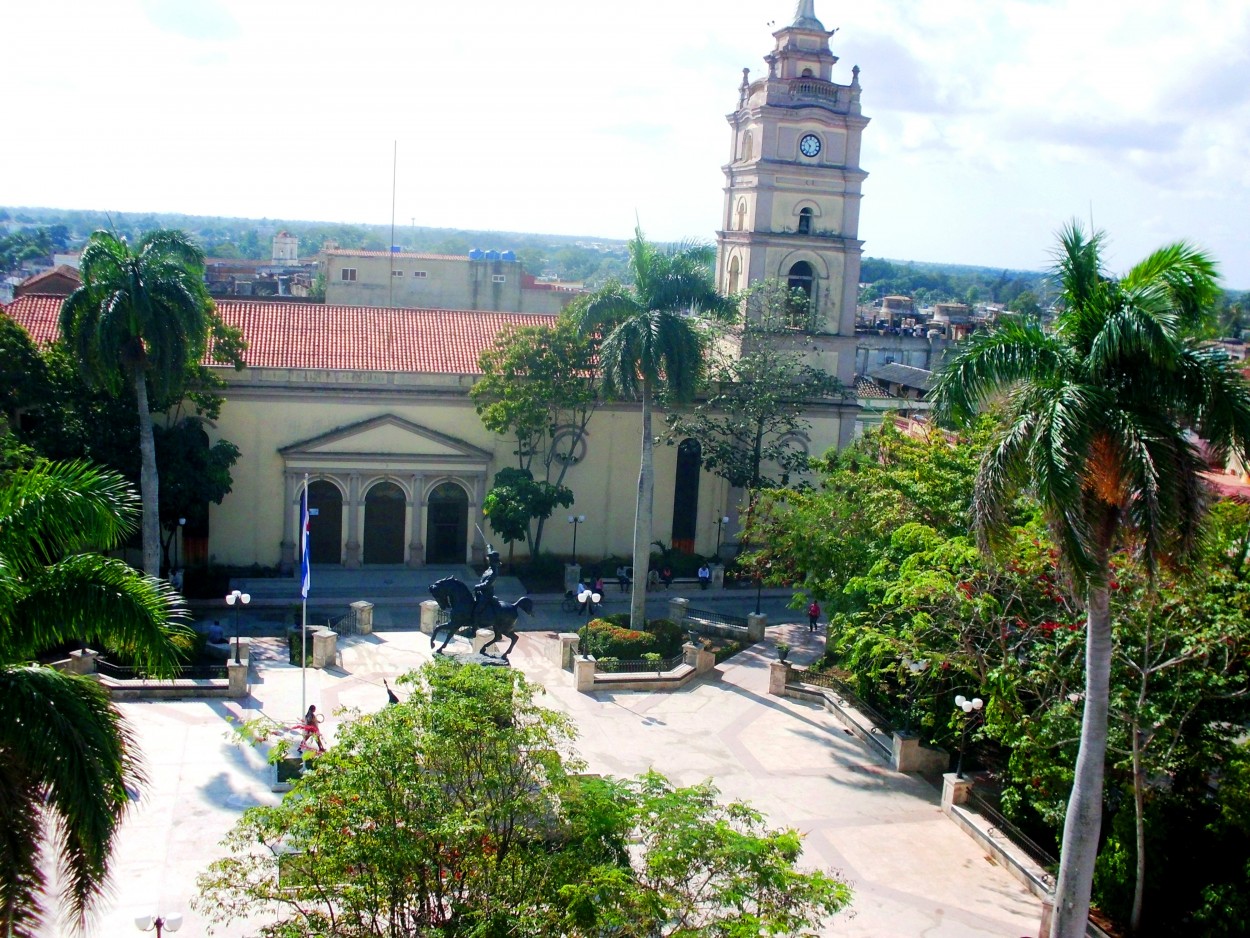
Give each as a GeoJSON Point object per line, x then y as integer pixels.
{"type": "Point", "coordinates": [346, 338]}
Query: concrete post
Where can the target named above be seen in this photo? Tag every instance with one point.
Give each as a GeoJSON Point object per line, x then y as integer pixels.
{"type": "Point", "coordinates": [756, 623]}
{"type": "Point", "coordinates": [704, 660]}
{"type": "Point", "coordinates": [677, 607]}
{"type": "Point", "coordinates": [364, 617]}
{"type": "Point", "coordinates": [244, 650]}
{"type": "Point", "coordinates": [954, 790]}
{"type": "Point", "coordinates": [584, 673]}
{"type": "Point", "coordinates": [572, 574]}
{"type": "Point", "coordinates": [429, 616]}
{"type": "Point", "coordinates": [481, 639]}
{"type": "Point", "coordinates": [324, 648]}
{"type": "Point", "coordinates": [83, 662]}
{"type": "Point", "coordinates": [718, 576]}
{"type": "Point", "coordinates": [1048, 916]}
{"type": "Point", "coordinates": [237, 673]}
{"type": "Point", "coordinates": [567, 649]}
{"type": "Point", "coordinates": [907, 755]}
{"type": "Point", "coordinates": [778, 672]}
{"type": "Point", "coordinates": [690, 655]}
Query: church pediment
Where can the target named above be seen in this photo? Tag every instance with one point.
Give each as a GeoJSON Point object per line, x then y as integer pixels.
{"type": "Point", "coordinates": [383, 437]}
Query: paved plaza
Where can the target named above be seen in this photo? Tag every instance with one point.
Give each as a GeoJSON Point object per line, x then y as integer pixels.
{"type": "Point", "coordinates": [914, 873]}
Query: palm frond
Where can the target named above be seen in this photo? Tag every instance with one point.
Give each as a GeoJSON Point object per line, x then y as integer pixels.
{"type": "Point", "coordinates": [61, 730]}
{"type": "Point", "coordinates": [101, 600]}
{"type": "Point", "coordinates": [1211, 392]}
{"type": "Point", "coordinates": [21, 836]}
{"type": "Point", "coordinates": [991, 362]}
{"type": "Point", "coordinates": [56, 508]}
{"type": "Point", "coordinates": [1190, 276]}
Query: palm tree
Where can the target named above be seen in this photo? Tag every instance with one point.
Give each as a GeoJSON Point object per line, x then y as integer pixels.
{"type": "Point", "coordinates": [652, 345]}
{"type": "Point", "coordinates": [66, 756]}
{"type": "Point", "coordinates": [141, 317]}
{"type": "Point", "coordinates": [1097, 417]}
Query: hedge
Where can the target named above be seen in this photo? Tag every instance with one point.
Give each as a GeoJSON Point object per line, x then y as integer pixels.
{"type": "Point", "coordinates": [608, 638]}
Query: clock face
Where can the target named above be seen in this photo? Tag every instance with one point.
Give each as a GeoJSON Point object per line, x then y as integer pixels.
{"type": "Point", "coordinates": [809, 145]}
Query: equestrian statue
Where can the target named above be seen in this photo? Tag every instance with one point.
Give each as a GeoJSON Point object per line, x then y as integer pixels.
{"type": "Point", "coordinates": [478, 609]}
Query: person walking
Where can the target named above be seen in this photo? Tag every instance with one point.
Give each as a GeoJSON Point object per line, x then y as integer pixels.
{"type": "Point", "coordinates": [813, 616]}
{"type": "Point", "coordinates": [311, 728]}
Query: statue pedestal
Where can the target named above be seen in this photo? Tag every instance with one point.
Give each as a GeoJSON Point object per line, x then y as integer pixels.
{"type": "Point", "coordinates": [479, 658]}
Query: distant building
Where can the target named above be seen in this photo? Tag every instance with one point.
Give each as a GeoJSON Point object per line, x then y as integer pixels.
{"type": "Point", "coordinates": [61, 280]}
{"type": "Point", "coordinates": [481, 280]}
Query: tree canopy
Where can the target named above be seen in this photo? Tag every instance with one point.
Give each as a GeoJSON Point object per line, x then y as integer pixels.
{"type": "Point", "coordinates": [463, 811]}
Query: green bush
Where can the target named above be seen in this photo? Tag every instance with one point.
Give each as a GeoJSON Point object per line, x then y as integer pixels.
{"type": "Point", "coordinates": [728, 650]}
{"type": "Point", "coordinates": [608, 664]}
{"type": "Point", "coordinates": [619, 619]}
{"type": "Point", "coordinates": [669, 636]}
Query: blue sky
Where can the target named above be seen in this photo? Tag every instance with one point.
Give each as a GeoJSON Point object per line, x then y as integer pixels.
{"type": "Point", "coordinates": [993, 121]}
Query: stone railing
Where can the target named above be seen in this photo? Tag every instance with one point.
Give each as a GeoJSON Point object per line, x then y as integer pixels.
{"type": "Point", "coordinates": [234, 685]}
{"type": "Point", "coordinates": [696, 660]}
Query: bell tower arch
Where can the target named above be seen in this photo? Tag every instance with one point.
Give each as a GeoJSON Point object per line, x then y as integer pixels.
{"type": "Point", "coordinates": [793, 186]}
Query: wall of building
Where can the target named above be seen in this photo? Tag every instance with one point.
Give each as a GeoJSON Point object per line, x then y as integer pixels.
{"type": "Point", "coordinates": [265, 412]}
{"type": "Point", "coordinates": [448, 283]}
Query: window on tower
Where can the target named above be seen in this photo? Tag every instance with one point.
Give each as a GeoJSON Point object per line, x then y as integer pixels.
{"type": "Point", "coordinates": [735, 275]}
{"type": "Point", "coordinates": [805, 221]}
{"type": "Point", "coordinates": [742, 216]}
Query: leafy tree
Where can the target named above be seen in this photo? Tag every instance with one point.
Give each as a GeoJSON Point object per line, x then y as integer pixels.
{"type": "Point", "coordinates": [650, 345]}
{"type": "Point", "coordinates": [539, 387]}
{"type": "Point", "coordinates": [1096, 423]}
{"type": "Point", "coordinates": [140, 316]}
{"type": "Point", "coordinates": [458, 812]}
{"type": "Point", "coordinates": [753, 413]}
{"type": "Point", "coordinates": [1026, 305]}
{"type": "Point", "coordinates": [66, 756]}
{"type": "Point", "coordinates": [195, 473]}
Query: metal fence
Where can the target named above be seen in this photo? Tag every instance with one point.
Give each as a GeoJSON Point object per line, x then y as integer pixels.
{"type": "Point", "coordinates": [1036, 852]}
{"type": "Point", "coordinates": [637, 665]}
{"type": "Point", "coordinates": [345, 625]}
{"type": "Point", "coordinates": [715, 617]}
{"type": "Point", "coordinates": [189, 672]}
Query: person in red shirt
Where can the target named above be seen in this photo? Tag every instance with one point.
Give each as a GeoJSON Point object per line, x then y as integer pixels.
{"type": "Point", "coordinates": [813, 614]}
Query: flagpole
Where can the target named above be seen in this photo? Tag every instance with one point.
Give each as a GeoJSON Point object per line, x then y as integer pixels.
{"type": "Point", "coordinates": [305, 582]}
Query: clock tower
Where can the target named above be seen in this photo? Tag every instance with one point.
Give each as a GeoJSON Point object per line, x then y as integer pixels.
{"type": "Point", "coordinates": [792, 191]}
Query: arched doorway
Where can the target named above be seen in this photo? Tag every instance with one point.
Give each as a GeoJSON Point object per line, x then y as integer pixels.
{"type": "Point", "coordinates": [384, 524]}
{"type": "Point", "coordinates": [325, 523]}
{"type": "Point", "coordinates": [447, 530]}
{"type": "Point", "coordinates": [686, 495]}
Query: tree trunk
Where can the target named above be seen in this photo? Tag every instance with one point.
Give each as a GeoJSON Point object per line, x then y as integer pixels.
{"type": "Point", "coordinates": [149, 485]}
{"type": "Point", "coordinates": [1083, 822]}
{"type": "Point", "coordinates": [1139, 809]}
{"type": "Point", "coordinates": [642, 518]}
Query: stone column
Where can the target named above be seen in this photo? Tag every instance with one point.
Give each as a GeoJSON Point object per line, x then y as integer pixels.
{"type": "Point", "coordinates": [756, 623]}
{"type": "Point", "coordinates": [429, 616]}
{"type": "Point", "coordinates": [416, 550]}
{"type": "Point", "coordinates": [324, 648]}
{"type": "Point", "coordinates": [364, 617]}
{"type": "Point", "coordinates": [572, 573]}
{"type": "Point", "coordinates": [677, 607]}
{"type": "Point", "coordinates": [566, 649]}
{"type": "Point", "coordinates": [954, 790]}
{"type": "Point", "coordinates": [83, 662]}
{"type": "Point", "coordinates": [286, 561]}
{"type": "Point", "coordinates": [481, 639]}
{"type": "Point", "coordinates": [718, 576]}
{"type": "Point", "coordinates": [237, 674]}
{"type": "Point", "coordinates": [352, 558]}
{"type": "Point", "coordinates": [778, 673]}
{"type": "Point", "coordinates": [704, 660]}
{"type": "Point", "coordinates": [584, 674]}
{"type": "Point", "coordinates": [478, 556]}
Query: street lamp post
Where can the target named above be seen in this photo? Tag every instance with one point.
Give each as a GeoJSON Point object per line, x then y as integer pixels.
{"type": "Point", "coordinates": [159, 923]}
{"type": "Point", "coordinates": [242, 599]}
{"type": "Point", "coordinates": [589, 599]}
{"type": "Point", "coordinates": [720, 528]}
{"type": "Point", "coordinates": [577, 521]}
{"type": "Point", "coordinates": [968, 707]}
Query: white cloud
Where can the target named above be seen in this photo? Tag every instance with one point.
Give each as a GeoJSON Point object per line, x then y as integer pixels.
{"type": "Point", "coordinates": [993, 120]}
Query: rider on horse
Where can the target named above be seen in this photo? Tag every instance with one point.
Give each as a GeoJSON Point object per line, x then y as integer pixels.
{"type": "Point", "coordinates": [484, 590]}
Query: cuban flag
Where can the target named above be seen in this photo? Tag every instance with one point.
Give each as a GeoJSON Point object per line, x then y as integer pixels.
{"type": "Point", "coordinates": [306, 578]}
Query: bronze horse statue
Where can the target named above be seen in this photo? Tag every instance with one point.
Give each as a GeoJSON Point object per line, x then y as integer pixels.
{"type": "Point", "coordinates": [452, 594]}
